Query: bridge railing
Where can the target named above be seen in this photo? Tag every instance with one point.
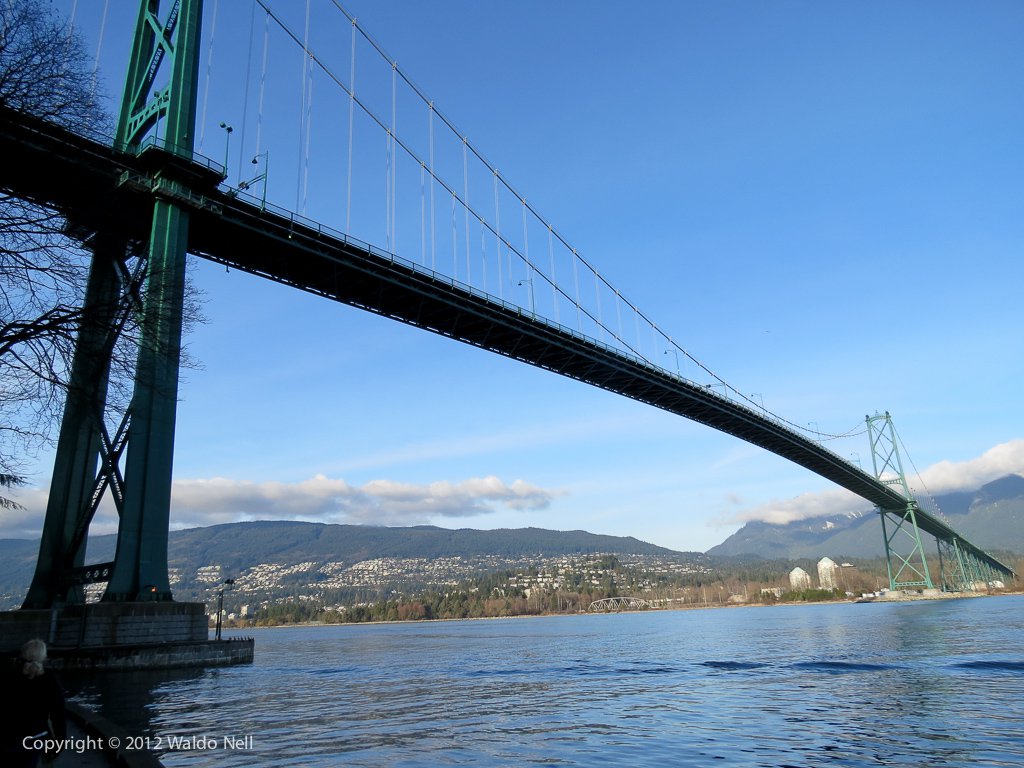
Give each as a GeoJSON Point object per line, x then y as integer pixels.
{"type": "Point", "coordinates": [162, 144]}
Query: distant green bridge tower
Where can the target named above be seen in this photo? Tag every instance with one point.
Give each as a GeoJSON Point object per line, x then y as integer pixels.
{"type": "Point", "coordinates": [157, 116]}
{"type": "Point", "coordinates": [960, 566]}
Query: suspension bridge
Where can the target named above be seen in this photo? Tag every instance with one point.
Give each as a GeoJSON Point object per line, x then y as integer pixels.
{"type": "Point", "coordinates": [448, 252]}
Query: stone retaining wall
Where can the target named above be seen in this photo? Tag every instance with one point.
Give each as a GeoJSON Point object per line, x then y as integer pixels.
{"type": "Point", "coordinates": [206, 653]}
{"type": "Point", "coordinates": [105, 624]}
{"type": "Point", "coordinates": [123, 636]}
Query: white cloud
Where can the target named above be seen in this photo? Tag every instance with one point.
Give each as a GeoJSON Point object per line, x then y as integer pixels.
{"type": "Point", "coordinates": [943, 477]}
{"type": "Point", "coordinates": [318, 499]}
{"type": "Point", "coordinates": [1000, 461]}
{"type": "Point", "coordinates": [329, 500]}
{"type": "Point", "coordinates": [835, 501]}
{"type": "Point", "coordinates": [27, 522]}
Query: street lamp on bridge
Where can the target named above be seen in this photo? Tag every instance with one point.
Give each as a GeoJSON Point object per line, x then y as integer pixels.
{"type": "Point", "coordinates": [675, 352]}
{"type": "Point", "coordinates": [259, 177]}
{"type": "Point", "coordinates": [227, 145]}
{"type": "Point", "coordinates": [528, 282]}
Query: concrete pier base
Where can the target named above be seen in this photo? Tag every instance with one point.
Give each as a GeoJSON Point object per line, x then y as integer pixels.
{"type": "Point", "coordinates": [123, 636]}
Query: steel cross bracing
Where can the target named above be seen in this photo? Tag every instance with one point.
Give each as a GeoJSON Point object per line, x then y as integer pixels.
{"type": "Point", "coordinates": [74, 174]}
{"type": "Point", "coordinates": [910, 568]}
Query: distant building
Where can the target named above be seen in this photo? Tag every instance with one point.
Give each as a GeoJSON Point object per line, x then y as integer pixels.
{"type": "Point", "coordinates": [827, 569]}
{"type": "Point", "coordinates": [209, 574]}
{"type": "Point", "coordinates": [799, 579]}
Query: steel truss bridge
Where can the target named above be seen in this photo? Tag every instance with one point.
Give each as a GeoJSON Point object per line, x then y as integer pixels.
{"type": "Point", "coordinates": [621, 604]}
{"type": "Point", "coordinates": [156, 200]}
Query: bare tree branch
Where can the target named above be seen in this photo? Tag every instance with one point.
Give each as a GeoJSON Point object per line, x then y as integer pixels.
{"type": "Point", "coordinates": [44, 71]}
{"type": "Point", "coordinates": [9, 481]}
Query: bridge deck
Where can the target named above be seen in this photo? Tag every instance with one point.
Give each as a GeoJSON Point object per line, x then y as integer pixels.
{"type": "Point", "coordinates": [282, 247]}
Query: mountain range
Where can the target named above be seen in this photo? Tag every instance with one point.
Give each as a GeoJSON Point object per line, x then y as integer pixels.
{"type": "Point", "coordinates": [236, 547]}
{"type": "Point", "coordinates": [991, 517]}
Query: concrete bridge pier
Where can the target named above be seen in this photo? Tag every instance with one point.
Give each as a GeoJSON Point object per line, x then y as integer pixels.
{"type": "Point", "coordinates": [130, 635]}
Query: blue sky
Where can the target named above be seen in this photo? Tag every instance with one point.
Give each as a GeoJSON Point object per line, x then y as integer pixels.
{"type": "Point", "coordinates": [820, 201]}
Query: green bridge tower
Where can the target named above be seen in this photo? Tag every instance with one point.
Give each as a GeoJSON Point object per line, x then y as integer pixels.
{"type": "Point", "coordinates": [910, 569]}
{"type": "Point", "coordinates": [956, 564]}
{"type": "Point", "coordinates": [157, 117]}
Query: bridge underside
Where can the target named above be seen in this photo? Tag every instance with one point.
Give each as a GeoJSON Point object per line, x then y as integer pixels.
{"type": "Point", "coordinates": [98, 192]}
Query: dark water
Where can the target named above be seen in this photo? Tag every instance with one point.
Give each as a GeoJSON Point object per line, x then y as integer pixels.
{"type": "Point", "coordinates": [938, 683]}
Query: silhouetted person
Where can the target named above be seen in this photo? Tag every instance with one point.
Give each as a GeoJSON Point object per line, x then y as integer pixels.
{"type": "Point", "coordinates": [35, 707]}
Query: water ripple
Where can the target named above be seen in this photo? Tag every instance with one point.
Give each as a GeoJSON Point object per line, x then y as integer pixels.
{"type": "Point", "coordinates": [841, 667]}
{"type": "Point", "coordinates": [803, 687]}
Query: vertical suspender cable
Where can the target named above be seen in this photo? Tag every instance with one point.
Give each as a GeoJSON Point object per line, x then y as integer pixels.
{"type": "Point", "coordinates": [618, 313]}
{"type": "Point", "coordinates": [302, 113]}
{"type": "Point", "coordinates": [554, 279]}
{"type": "Point", "coordinates": [309, 130]}
{"type": "Point", "coordinates": [394, 157]}
{"type": "Point", "coordinates": [526, 254]}
{"type": "Point", "coordinates": [351, 125]}
{"type": "Point", "coordinates": [263, 82]}
{"type": "Point", "coordinates": [576, 282]}
{"type": "Point", "coordinates": [483, 252]}
{"type": "Point", "coordinates": [389, 172]}
{"type": "Point", "coordinates": [387, 191]}
{"type": "Point", "coordinates": [71, 25]}
{"type": "Point", "coordinates": [636, 323]}
{"type": "Point", "coordinates": [70, 42]}
{"type": "Point", "coordinates": [248, 77]}
{"type": "Point", "coordinates": [388, 160]}
{"type": "Point", "coordinates": [430, 128]}
{"type": "Point", "coordinates": [99, 48]}
{"type": "Point", "coordinates": [510, 266]}
{"type": "Point", "coordinates": [423, 216]}
{"type": "Point", "coordinates": [465, 202]}
{"type": "Point", "coordinates": [206, 86]}
{"type": "Point", "coordinates": [497, 238]}
{"type": "Point", "coordinates": [455, 238]}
